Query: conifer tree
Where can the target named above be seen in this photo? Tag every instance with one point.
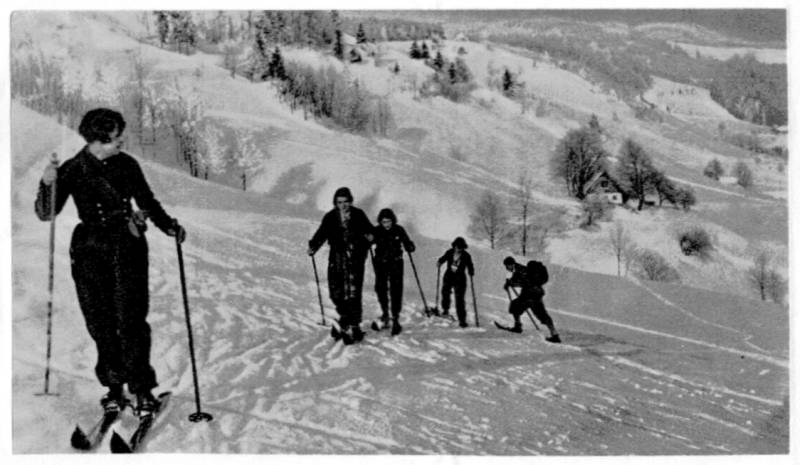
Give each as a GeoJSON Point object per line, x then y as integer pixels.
{"type": "Point", "coordinates": [361, 36]}
{"type": "Point", "coordinates": [415, 52]}
{"type": "Point", "coordinates": [338, 48]}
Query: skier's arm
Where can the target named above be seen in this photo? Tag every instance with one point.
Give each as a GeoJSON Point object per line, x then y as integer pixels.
{"type": "Point", "coordinates": [470, 267]}
{"type": "Point", "coordinates": [146, 201]}
{"type": "Point", "coordinates": [407, 243]}
{"type": "Point", "coordinates": [63, 189]}
{"type": "Point", "coordinates": [442, 259]}
{"type": "Point", "coordinates": [319, 237]}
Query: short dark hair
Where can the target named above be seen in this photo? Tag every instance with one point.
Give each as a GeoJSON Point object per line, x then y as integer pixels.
{"type": "Point", "coordinates": [509, 261]}
{"type": "Point", "coordinates": [387, 213]}
{"type": "Point", "coordinates": [99, 124]}
{"type": "Point", "coordinates": [460, 243]}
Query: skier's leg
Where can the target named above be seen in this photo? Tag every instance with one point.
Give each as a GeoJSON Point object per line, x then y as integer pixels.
{"type": "Point", "coordinates": [516, 308]}
{"type": "Point", "coordinates": [397, 296]}
{"type": "Point", "coordinates": [541, 314]}
{"type": "Point", "coordinates": [461, 304]}
{"type": "Point", "coordinates": [447, 288]}
{"type": "Point", "coordinates": [93, 284]}
{"type": "Point", "coordinates": [382, 290]}
{"type": "Point", "coordinates": [131, 304]}
{"type": "Point", "coordinates": [396, 285]}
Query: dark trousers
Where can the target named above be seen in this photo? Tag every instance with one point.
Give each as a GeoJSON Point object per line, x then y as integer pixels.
{"type": "Point", "coordinates": [389, 284]}
{"type": "Point", "coordinates": [533, 301]}
{"type": "Point", "coordinates": [109, 268]}
{"type": "Point", "coordinates": [457, 284]}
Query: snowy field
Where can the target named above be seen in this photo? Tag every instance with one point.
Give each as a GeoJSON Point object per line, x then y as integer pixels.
{"type": "Point", "coordinates": [643, 370]}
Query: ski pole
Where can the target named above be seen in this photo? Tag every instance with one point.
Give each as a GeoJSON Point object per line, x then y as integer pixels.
{"type": "Point", "coordinates": [50, 280]}
{"type": "Point", "coordinates": [474, 300]}
{"type": "Point", "coordinates": [319, 292]}
{"type": "Point", "coordinates": [198, 415]}
{"type": "Point", "coordinates": [416, 277]}
{"type": "Point", "coordinates": [527, 312]}
{"type": "Point", "coordinates": [436, 303]}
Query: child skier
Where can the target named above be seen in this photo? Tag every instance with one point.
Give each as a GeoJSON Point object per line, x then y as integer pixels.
{"type": "Point", "coordinates": [390, 240]}
{"type": "Point", "coordinates": [459, 262]}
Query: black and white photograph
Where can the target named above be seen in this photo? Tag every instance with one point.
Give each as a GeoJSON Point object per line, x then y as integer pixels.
{"type": "Point", "coordinates": [434, 232]}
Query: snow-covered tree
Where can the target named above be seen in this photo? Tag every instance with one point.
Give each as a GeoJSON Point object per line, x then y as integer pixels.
{"type": "Point", "coordinates": [211, 156]}
{"type": "Point", "coordinates": [248, 156]}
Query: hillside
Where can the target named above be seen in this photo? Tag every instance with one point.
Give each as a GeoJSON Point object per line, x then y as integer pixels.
{"type": "Point", "coordinates": [647, 368]}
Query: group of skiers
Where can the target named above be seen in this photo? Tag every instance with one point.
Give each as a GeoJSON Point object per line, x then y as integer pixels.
{"type": "Point", "coordinates": [109, 260]}
{"type": "Point", "coordinates": [350, 236]}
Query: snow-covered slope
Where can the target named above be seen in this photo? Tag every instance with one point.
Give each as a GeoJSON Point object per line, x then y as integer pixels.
{"type": "Point", "coordinates": [644, 369]}
{"type": "Point", "coordinates": [672, 369]}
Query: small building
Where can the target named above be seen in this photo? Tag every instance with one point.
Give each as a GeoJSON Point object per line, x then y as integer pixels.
{"type": "Point", "coordinates": [606, 186]}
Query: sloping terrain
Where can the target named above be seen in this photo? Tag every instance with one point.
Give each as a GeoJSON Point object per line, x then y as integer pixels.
{"type": "Point", "coordinates": [691, 368]}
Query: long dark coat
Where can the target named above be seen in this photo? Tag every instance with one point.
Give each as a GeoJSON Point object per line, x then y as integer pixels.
{"type": "Point", "coordinates": [349, 245]}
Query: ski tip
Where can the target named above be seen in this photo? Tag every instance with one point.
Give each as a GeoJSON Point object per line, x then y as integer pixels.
{"type": "Point", "coordinates": [79, 439]}
{"type": "Point", "coordinates": [118, 445]}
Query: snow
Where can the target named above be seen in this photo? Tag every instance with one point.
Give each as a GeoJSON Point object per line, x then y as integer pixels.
{"type": "Point", "coordinates": [646, 368]}
{"type": "Point", "coordinates": [764, 55]}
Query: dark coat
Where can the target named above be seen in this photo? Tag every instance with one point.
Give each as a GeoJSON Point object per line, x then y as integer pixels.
{"type": "Point", "coordinates": [389, 244]}
{"type": "Point", "coordinates": [102, 191]}
{"type": "Point", "coordinates": [348, 244]}
{"type": "Point", "coordinates": [464, 264]}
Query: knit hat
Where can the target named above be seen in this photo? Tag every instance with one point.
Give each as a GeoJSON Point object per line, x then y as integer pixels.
{"type": "Point", "coordinates": [509, 261]}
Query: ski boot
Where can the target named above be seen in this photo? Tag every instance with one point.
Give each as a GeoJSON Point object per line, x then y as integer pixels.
{"type": "Point", "coordinates": [554, 339]}
{"type": "Point", "coordinates": [146, 404]}
{"type": "Point", "coordinates": [358, 335]}
{"type": "Point", "coordinates": [462, 324]}
{"type": "Point", "coordinates": [385, 321]}
{"type": "Point", "coordinates": [517, 328]}
{"type": "Point", "coordinates": [396, 328]}
{"type": "Point", "coordinates": [114, 400]}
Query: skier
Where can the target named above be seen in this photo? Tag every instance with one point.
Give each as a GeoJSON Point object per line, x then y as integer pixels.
{"type": "Point", "coordinates": [349, 235]}
{"type": "Point", "coordinates": [390, 240]}
{"type": "Point", "coordinates": [455, 279]}
{"type": "Point", "coordinates": [529, 297]}
{"type": "Point", "coordinates": [109, 253]}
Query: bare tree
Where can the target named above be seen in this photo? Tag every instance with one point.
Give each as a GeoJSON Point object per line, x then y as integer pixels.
{"type": "Point", "coordinates": [765, 278]}
{"type": "Point", "coordinates": [522, 203]}
{"type": "Point", "coordinates": [620, 241]}
{"type": "Point", "coordinates": [489, 217]}
{"type": "Point", "coordinates": [759, 273]}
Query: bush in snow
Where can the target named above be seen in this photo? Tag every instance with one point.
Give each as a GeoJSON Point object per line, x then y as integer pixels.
{"type": "Point", "coordinates": [654, 267]}
{"type": "Point", "coordinates": [695, 241]}
{"type": "Point", "coordinates": [594, 209]}
{"type": "Point", "coordinates": [744, 177]}
{"type": "Point", "coordinates": [713, 169]}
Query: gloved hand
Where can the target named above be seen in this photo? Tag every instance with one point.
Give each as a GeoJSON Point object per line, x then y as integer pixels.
{"type": "Point", "coordinates": [411, 248]}
{"type": "Point", "coordinates": [177, 231]}
{"type": "Point", "coordinates": [311, 252]}
{"type": "Point", "coordinates": [50, 173]}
